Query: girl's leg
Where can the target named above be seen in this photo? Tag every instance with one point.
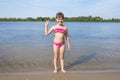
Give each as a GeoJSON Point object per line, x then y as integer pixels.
{"type": "Point", "coordinates": [55, 50]}
{"type": "Point", "coordinates": [62, 51]}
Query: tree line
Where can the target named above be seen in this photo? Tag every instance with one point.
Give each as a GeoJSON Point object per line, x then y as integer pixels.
{"type": "Point", "coordinates": [67, 19]}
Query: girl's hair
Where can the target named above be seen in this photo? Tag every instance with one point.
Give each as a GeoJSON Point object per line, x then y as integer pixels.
{"type": "Point", "coordinates": [60, 15]}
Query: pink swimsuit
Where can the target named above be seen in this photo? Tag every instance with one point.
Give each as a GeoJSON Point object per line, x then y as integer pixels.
{"type": "Point", "coordinates": [59, 44]}
{"type": "Point", "coordinates": [59, 30]}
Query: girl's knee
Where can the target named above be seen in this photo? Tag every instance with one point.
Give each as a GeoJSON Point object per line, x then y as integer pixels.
{"type": "Point", "coordinates": [61, 57]}
{"type": "Point", "coordinates": [56, 57]}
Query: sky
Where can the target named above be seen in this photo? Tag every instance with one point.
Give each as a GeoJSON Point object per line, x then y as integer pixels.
{"type": "Point", "coordinates": [49, 8]}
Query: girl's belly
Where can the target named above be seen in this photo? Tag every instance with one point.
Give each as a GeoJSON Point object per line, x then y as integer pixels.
{"type": "Point", "coordinates": [58, 40]}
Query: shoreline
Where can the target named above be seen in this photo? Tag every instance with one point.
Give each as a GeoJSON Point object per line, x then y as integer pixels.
{"type": "Point", "coordinates": [71, 75]}
{"type": "Point", "coordinates": [59, 72]}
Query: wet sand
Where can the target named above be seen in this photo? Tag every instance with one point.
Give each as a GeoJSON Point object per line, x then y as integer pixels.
{"type": "Point", "coordinates": [73, 75]}
{"type": "Point", "coordinates": [86, 59]}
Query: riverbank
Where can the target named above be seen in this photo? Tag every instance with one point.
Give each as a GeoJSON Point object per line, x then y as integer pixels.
{"type": "Point", "coordinates": [71, 75]}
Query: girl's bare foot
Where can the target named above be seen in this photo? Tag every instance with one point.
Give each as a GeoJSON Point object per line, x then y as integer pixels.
{"type": "Point", "coordinates": [55, 71]}
{"type": "Point", "coordinates": [63, 71]}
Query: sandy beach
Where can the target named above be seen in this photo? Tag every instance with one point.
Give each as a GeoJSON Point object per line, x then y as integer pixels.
{"type": "Point", "coordinates": [71, 75]}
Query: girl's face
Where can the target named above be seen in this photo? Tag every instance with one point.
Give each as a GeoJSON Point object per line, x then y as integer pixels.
{"type": "Point", "coordinates": [59, 21]}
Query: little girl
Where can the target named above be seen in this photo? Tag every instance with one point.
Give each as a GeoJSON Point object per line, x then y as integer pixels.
{"type": "Point", "coordinates": [61, 32]}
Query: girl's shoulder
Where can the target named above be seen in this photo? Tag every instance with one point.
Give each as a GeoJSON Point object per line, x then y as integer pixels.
{"type": "Point", "coordinates": [65, 27]}
{"type": "Point", "coordinates": [53, 27]}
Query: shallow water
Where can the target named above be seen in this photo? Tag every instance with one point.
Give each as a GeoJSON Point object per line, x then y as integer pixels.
{"type": "Point", "coordinates": [24, 47]}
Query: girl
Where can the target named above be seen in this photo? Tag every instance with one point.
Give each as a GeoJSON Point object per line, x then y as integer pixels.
{"type": "Point", "coordinates": [61, 32]}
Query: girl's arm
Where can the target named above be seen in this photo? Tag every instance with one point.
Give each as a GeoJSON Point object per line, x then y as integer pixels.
{"type": "Point", "coordinates": [47, 32]}
{"type": "Point", "coordinates": [68, 40]}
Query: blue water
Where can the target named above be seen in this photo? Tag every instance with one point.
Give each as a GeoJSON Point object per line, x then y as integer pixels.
{"type": "Point", "coordinates": [34, 31]}
{"type": "Point", "coordinates": [25, 42]}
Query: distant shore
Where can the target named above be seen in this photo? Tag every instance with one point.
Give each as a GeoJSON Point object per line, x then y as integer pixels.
{"type": "Point", "coordinates": [67, 19]}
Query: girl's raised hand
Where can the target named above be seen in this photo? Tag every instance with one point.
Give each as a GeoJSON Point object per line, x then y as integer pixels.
{"type": "Point", "coordinates": [47, 22]}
